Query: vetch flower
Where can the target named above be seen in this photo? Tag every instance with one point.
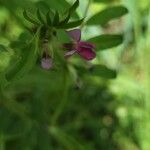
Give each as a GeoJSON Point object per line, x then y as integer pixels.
{"type": "Point", "coordinates": [84, 49]}
{"type": "Point", "coordinates": [46, 61]}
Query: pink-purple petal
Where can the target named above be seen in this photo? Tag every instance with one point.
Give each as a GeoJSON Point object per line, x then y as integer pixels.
{"type": "Point", "coordinates": [75, 34]}
{"type": "Point", "coordinates": [86, 53]}
{"type": "Point", "coordinates": [86, 45]}
{"type": "Point", "coordinates": [46, 63]}
{"type": "Point", "coordinates": [69, 53]}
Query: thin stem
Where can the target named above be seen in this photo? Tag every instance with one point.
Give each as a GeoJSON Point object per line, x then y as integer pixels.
{"type": "Point", "coordinates": [86, 12]}
{"type": "Point", "coordinates": [63, 103]}
{"type": "Point", "coordinates": [2, 142]}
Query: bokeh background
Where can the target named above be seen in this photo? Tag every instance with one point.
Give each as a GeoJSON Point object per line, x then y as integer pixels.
{"type": "Point", "coordinates": [97, 113]}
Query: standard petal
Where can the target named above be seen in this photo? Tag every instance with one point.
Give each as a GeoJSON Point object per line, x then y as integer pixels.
{"type": "Point", "coordinates": [75, 34]}
{"type": "Point", "coordinates": [46, 63]}
{"type": "Point", "coordinates": [69, 53]}
{"type": "Point", "coordinates": [86, 45]}
{"type": "Point", "coordinates": [86, 53]}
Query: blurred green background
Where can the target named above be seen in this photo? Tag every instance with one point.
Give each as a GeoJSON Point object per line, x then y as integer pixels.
{"type": "Point", "coordinates": [45, 111]}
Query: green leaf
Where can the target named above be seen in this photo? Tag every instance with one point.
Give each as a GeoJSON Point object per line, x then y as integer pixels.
{"type": "Point", "coordinates": [58, 5]}
{"type": "Point", "coordinates": [106, 41]}
{"type": "Point", "coordinates": [97, 70]}
{"type": "Point", "coordinates": [74, 7]}
{"type": "Point", "coordinates": [3, 80]}
{"type": "Point", "coordinates": [5, 57]}
{"type": "Point", "coordinates": [72, 24]}
{"type": "Point", "coordinates": [43, 139]}
{"type": "Point", "coordinates": [48, 18]}
{"type": "Point", "coordinates": [103, 71]}
{"type": "Point", "coordinates": [70, 12]}
{"type": "Point", "coordinates": [65, 20]}
{"type": "Point", "coordinates": [63, 36]}
{"type": "Point", "coordinates": [3, 48]}
{"type": "Point", "coordinates": [39, 16]}
{"type": "Point", "coordinates": [26, 16]}
{"type": "Point", "coordinates": [67, 141]}
{"type": "Point", "coordinates": [27, 60]}
{"type": "Point", "coordinates": [56, 19]}
{"type": "Point", "coordinates": [104, 1]}
{"type": "Point", "coordinates": [107, 14]}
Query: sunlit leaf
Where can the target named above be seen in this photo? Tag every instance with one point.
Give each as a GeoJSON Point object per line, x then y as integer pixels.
{"type": "Point", "coordinates": [27, 60]}
{"type": "Point", "coordinates": [103, 71]}
{"type": "Point", "coordinates": [106, 41]}
{"type": "Point", "coordinates": [72, 24]}
{"type": "Point", "coordinates": [26, 16]}
{"type": "Point", "coordinates": [3, 48]}
{"type": "Point", "coordinates": [104, 1]}
{"type": "Point", "coordinates": [103, 17]}
{"type": "Point", "coordinates": [97, 70]}
{"type": "Point", "coordinates": [65, 20]}
{"type": "Point", "coordinates": [74, 7]}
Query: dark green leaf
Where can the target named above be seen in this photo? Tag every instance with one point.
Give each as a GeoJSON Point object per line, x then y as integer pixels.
{"type": "Point", "coordinates": [65, 20]}
{"type": "Point", "coordinates": [27, 60]}
{"type": "Point", "coordinates": [103, 71]}
{"type": "Point", "coordinates": [70, 12]}
{"type": "Point", "coordinates": [68, 141]}
{"type": "Point", "coordinates": [74, 7]}
{"type": "Point", "coordinates": [98, 70]}
{"type": "Point", "coordinates": [3, 80]}
{"type": "Point", "coordinates": [58, 5]}
{"type": "Point", "coordinates": [106, 41]}
{"type": "Point", "coordinates": [25, 14]}
{"type": "Point", "coordinates": [106, 15]}
{"type": "Point", "coordinates": [39, 16]}
{"type": "Point", "coordinates": [3, 48]}
{"type": "Point", "coordinates": [71, 24]}
{"type": "Point", "coordinates": [48, 18]}
{"type": "Point", "coordinates": [56, 19]}
{"type": "Point", "coordinates": [43, 6]}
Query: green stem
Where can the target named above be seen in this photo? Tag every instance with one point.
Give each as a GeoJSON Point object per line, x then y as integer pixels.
{"type": "Point", "coordinates": [63, 103]}
{"type": "Point", "coordinates": [86, 12]}
{"type": "Point", "coordinates": [2, 142]}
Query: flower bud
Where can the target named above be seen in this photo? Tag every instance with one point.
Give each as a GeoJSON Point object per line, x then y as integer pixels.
{"type": "Point", "coordinates": [47, 63]}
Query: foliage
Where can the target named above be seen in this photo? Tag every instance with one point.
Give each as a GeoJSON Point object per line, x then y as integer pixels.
{"type": "Point", "coordinates": [74, 104]}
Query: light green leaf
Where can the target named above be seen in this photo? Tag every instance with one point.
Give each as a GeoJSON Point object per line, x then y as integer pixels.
{"type": "Point", "coordinates": [97, 70]}
{"type": "Point", "coordinates": [70, 12]}
{"type": "Point", "coordinates": [106, 41]}
{"type": "Point", "coordinates": [30, 19]}
{"type": "Point", "coordinates": [65, 20]}
{"type": "Point", "coordinates": [3, 48]}
{"type": "Point", "coordinates": [72, 24]}
{"type": "Point", "coordinates": [103, 71]}
{"type": "Point", "coordinates": [27, 60]}
{"type": "Point", "coordinates": [107, 14]}
{"type": "Point", "coordinates": [104, 1]}
{"type": "Point", "coordinates": [74, 7]}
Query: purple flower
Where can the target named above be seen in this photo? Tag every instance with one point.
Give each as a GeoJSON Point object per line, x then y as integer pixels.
{"type": "Point", "coordinates": [46, 62]}
{"type": "Point", "coordinates": [84, 49]}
